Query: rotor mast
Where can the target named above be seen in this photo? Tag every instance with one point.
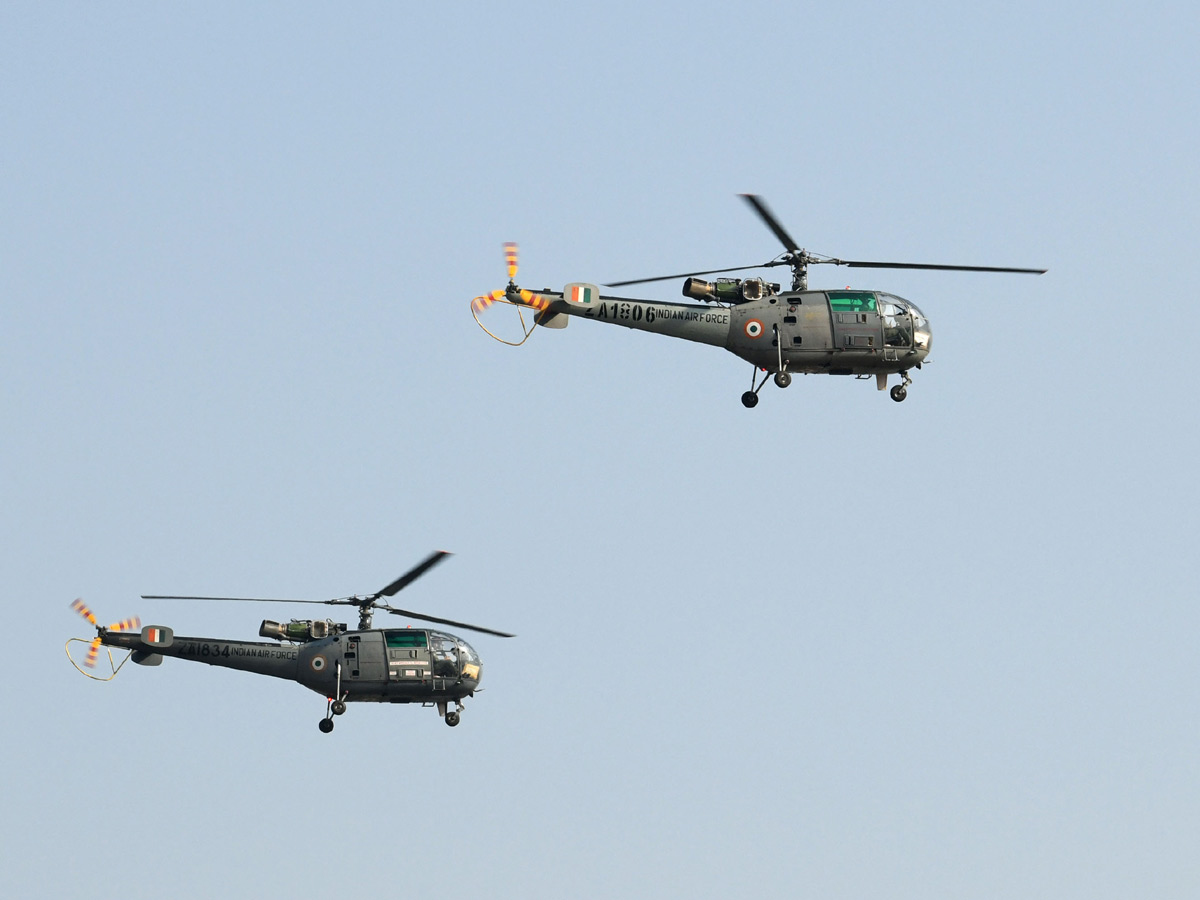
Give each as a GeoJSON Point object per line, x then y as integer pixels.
{"type": "Point", "coordinates": [799, 265]}
{"type": "Point", "coordinates": [366, 609]}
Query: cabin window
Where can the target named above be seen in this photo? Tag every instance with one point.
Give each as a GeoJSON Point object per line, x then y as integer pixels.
{"type": "Point", "coordinates": [852, 301]}
{"type": "Point", "coordinates": [405, 638]}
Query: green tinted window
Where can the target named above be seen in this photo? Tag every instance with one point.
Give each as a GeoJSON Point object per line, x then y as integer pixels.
{"type": "Point", "coordinates": [406, 638]}
{"type": "Point", "coordinates": [851, 301]}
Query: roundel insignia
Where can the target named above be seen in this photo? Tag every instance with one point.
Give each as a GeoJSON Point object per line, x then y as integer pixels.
{"type": "Point", "coordinates": [318, 663]}
{"type": "Point", "coordinates": [754, 328]}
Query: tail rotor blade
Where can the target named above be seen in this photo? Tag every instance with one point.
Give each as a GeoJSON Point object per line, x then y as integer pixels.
{"type": "Point", "coordinates": [80, 607]}
{"type": "Point", "coordinates": [537, 301]}
{"type": "Point", "coordinates": [479, 304]}
{"type": "Point", "coordinates": [126, 625]}
{"type": "Point", "coordinates": [92, 654]}
{"type": "Point", "coordinates": [510, 259]}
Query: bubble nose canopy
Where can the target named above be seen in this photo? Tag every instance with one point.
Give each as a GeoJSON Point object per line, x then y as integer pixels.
{"type": "Point", "coordinates": [453, 657]}
{"type": "Point", "coordinates": [922, 334]}
{"type": "Point", "coordinates": [904, 325]}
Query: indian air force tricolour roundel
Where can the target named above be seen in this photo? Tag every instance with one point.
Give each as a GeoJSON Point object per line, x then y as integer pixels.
{"type": "Point", "coordinates": [754, 328]}
{"type": "Point", "coordinates": [157, 636]}
{"type": "Point", "coordinates": [581, 294]}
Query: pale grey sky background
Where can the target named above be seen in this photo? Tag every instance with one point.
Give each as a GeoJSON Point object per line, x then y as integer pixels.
{"type": "Point", "coordinates": [831, 647]}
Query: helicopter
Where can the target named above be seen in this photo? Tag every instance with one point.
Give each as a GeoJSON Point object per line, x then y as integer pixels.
{"type": "Point", "coordinates": [383, 665]}
{"type": "Point", "coordinates": [781, 333]}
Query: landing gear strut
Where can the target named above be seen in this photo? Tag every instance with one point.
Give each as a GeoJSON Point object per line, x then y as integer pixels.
{"type": "Point", "coordinates": [750, 398]}
{"type": "Point", "coordinates": [334, 706]}
{"type": "Point", "coordinates": [900, 391]}
{"type": "Point", "coordinates": [452, 716]}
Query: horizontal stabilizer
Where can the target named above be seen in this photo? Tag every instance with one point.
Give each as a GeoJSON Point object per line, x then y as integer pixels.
{"type": "Point", "coordinates": [146, 658]}
{"type": "Point", "coordinates": [548, 319]}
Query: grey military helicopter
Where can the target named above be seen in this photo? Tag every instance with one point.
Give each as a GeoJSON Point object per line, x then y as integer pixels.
{"type": "Point", "coordinates": [382, 665]}
{"type": "Point", "coordinates": [781, 333]}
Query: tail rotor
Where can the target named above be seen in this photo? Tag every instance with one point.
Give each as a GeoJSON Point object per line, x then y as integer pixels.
{"type": "Point", "coordinates": [513, 296]}
{"type": "Point", "coordinates": [93, 652]}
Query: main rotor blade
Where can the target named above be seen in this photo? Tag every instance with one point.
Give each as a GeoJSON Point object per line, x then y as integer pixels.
{"type": "Point", "coordinates": [425, 618]}
{"type": "Point", "coordinates": [241, 599]}
{"type": "Point", "coordinates": [766, 265]}
{"type": "Point", "coordinates": [412, 574]}
{"type": "Point", "coordinates": [761, 208]}
{"type": "Point", "coordinates": [861, 264]}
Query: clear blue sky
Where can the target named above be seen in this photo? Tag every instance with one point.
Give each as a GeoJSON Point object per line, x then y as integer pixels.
{"type": "Point", "coordinates": [831, 647]}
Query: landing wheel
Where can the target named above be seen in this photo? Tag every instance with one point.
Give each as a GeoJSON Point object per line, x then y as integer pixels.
{"type": "Point", "coordinates": [451, 719]}
{"type": "Point", "coordinates": [749, 399]}
{"type": "Point", "coordinates": [337, 707]}
{"type": "Point", "coordinates": [783, 379]}
{"type": "Point", "coordinates": [899, 393]}
{"type": "Point", "coordinates": [326, 726]}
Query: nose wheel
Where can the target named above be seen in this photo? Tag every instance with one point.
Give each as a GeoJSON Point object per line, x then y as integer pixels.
{"type": "Point", "coordinates": [900, 391]}
{"type": "Point", "coordinates": [451, 716]}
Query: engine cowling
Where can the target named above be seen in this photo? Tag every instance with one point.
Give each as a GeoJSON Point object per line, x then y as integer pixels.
{"type": "Point", "coordinates": [729, 290]}
{"type": "Point", "coordinates": [300, 631]}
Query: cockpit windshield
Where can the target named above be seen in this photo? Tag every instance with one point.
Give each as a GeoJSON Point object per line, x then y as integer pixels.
{"type": "Point", "coordinates": [467, 652]}
{"type": "Point", "coordinates": [904, 325]}
{"type": "Point", "coordinates": [452, 656]}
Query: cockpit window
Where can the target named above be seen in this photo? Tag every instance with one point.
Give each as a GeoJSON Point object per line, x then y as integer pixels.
{"type": "Point", "coordinates": [851, 301]}
{"type": "Point", "coordinates": [467, 652]}
{"type": "Point", "coordinates": [897, 330]}
{"type": "Point", "coordinates": [406, 638]}
{"type": "Point", "coordinates": [444, 650]}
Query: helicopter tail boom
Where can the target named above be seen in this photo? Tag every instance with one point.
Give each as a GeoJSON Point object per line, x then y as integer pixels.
{"type": "Point", "coordinates": [156, 641]}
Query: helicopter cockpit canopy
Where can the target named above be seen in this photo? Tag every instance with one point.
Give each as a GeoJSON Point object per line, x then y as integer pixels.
{"type": "Point", "coordinates": [452, 655]}
{"type": "Point", "coordinates": [904, 325]}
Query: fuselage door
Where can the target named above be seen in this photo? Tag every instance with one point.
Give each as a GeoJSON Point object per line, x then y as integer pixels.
{"type": "Point", "coordinates": [855, 320]}
{"type": "Point", "coordinates": [368, 654]}
{"type": "Point", "coordinates": [407, 655]}
{"type": "Point", "coordinates": [805, 326]}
